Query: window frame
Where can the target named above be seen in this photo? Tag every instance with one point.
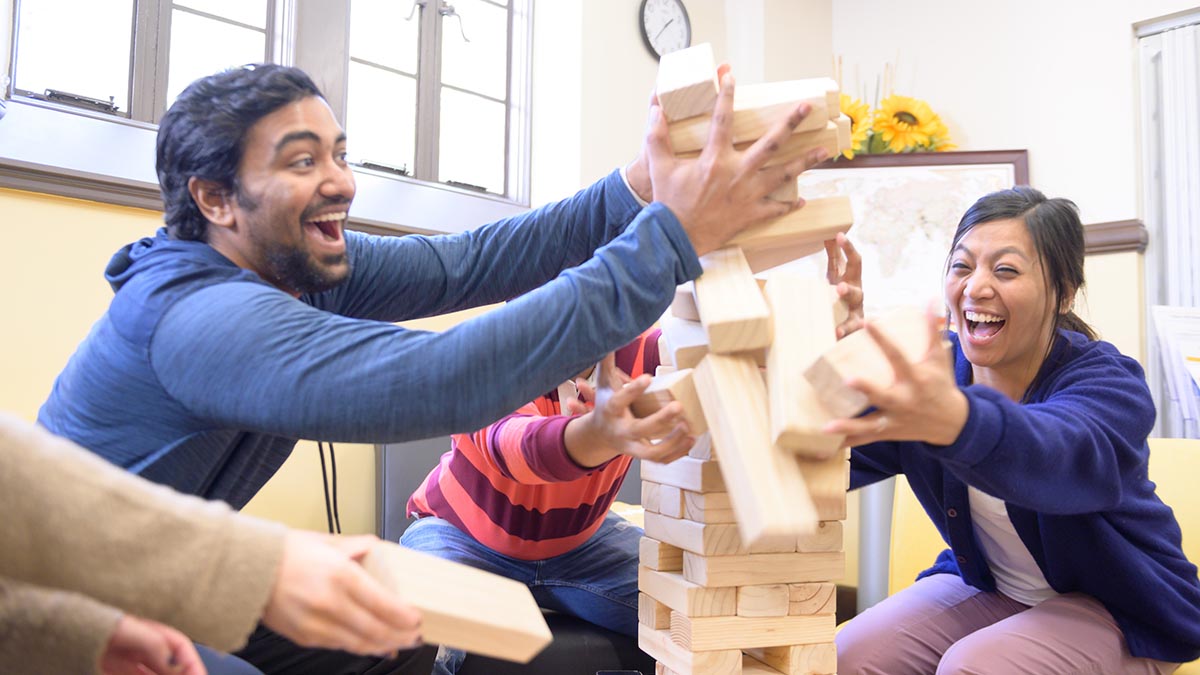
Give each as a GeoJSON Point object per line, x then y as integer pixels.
{"type": "Point", "coordinates": [115, 162]}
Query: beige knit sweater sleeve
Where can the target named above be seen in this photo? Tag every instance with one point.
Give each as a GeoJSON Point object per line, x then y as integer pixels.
{"type": "Point", "coordinates": [48, 632]}
{"type": "Point", "coordinates": [74, 522]}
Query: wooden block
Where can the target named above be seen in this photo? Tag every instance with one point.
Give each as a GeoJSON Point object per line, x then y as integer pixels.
{"type": "Point", "coordinates": [843, 131]}
{"type": "Point", "coordinates": [712, 507]}
{"type": "Point", "coordinates": [763, 568]}
{"type": "Point", "coordinates": [702, 449]}
{"type": "Point", "coordinates": [665, 370]}
{"type": "Point", "coordinates": [812, 598]}
{"type": "Point", "coordinates": [764, 482]}
{"type": "Point", "coordinates": [653, 613]}
{"type": "Point", "coordinates": [461, 606]}
{"type": "Point", "coordinates": [686, 473]}
{"type": "Point", "coordinates": [732, 309]}
{"type": "Point", "coordinates": [684, 304]}
{"type": "Point", "coordinates": [858, 356]}
{"type": "Point", "coordinates": [687, 82]}
{"type": "Point", "coordinates": [833, 97]}
{"type": "Point", "coordinates": [671, 589]}
{"type": "Point", "coordinates": [659, 556]}
{"type": "Point", "coordinates": [706, 633]}
{"type": "Point", "coordinates": [796, 234]}
{"type": "Point", "coordinates": [757, 108]}
{"type": "Point", "coordinates": [788, 192]}
{"type": "Point", "coordinates": [827, 481]}
{"type": "Point", "coordinates": [802, 307]}
{"type": "Point", "coordinates": [651, 496]}
{"type": "Point", "coordinates": [676, 386]}
{"type": "Point", "coordinates": [795, 146]}
{"type": "Point", "coordinates": [658, 644]}
{"type": "Point", "coordinates": [763, 600]}
{"type": "Point", "coordinates": [828, 537]}
{"type": "Point", "coordinates": [670, 501]}
{"type": "Point", "coordinates": [711, 538]}
{"type": "Point", "coordinates": [816, 659]}
{"type": "Point", "coordinates": [685, 342]}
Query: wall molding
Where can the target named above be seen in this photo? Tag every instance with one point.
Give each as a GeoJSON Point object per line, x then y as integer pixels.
{"type": "Point", "coordinates": [1115, 237]}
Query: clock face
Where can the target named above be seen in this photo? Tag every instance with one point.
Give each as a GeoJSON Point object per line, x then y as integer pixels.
{"type": "Point", "coordinates": [665, 26]}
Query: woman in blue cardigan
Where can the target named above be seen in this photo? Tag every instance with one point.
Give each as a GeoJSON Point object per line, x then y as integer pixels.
{"type": "Point", "coordinates": [1029, 453]}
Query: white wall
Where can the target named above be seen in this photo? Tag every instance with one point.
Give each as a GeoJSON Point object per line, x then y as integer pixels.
{"type": "Point", "coordinates": [1056, 78]}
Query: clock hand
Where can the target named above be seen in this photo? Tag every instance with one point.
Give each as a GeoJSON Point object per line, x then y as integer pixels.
{"type": "Point", "coordinates": [660, 31]}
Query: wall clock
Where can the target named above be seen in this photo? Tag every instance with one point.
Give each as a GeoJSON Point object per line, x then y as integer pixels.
{"type": "Point", "coordinates": [665, 26]}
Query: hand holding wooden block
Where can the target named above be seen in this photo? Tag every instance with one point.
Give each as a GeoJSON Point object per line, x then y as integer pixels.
{"type": "Point", "coordinates": [757, 108]}
{"type": "Point", "coordinates": [676, 386]}
{"type": "Point", "coordinates": [687, 82]}
{"type": "Point", "coordinates": [461, 606]}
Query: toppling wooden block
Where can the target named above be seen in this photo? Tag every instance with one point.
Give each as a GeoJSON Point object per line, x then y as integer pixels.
{"type": "Point", "coordinates": [462, 607]}
{"type": "Point", "coordinates": [683, 342]}
{"type": "Point", "coordinates": [757, 108]}
{"type": "Point", "coordinates": [858, 356]}
{"type": "Point", "coordinates": [732, 309]}
{"type": "Point", "coordinates": [687, 82]}
{"type": "Point", "coordinates": [816, 659]}
{"type": "Point", "coordinates": [762, 568]}
{"type": "Point", "coordinates": [658, 556]}
{"type": "Point", "coordinates": [685, 597]}
{"type": "Point", "coordinates": [795, 235]}
{"type": "Point", "coordinates": [687, 473]}
{"type": "Point", "coordinates": [827, 480]}
{"type": "Point", "coordinates": [676, 386]}
{"type": "Point", "coordinates": [740, 632]}
{"type": "Point", "coordinates": [802, 308]}
{"type": "Point", "coordinates": [764, 482]}
{"type": "Point", "coordinates": [684, 304]}
{"type": "Point", "coordinates": [659, 645]}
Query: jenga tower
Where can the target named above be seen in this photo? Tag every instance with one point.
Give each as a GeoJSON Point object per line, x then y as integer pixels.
{"type": "Point", "coordinates": [744, 537]}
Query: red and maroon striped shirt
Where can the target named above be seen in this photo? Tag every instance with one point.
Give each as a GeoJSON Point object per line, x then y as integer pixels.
{"type": "Point", "coordinates": [513, 487]}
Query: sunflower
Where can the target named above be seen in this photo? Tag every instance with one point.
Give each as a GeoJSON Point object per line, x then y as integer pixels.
{"type": "Point", "coordinates": [905, 123]}
{"type": "Point", "coordinates": [939, 139]}
{"type": "Point", "coordinates": [859, 115]}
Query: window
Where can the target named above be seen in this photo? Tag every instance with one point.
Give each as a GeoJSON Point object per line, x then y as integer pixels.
{"type": "Point", "coordinates": [428, 90]}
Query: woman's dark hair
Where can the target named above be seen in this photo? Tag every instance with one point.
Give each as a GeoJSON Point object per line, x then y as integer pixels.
{"type": "Point", "coordinates": [1057, 235]}
{"type": "Point", "coordinates": [202, 134]}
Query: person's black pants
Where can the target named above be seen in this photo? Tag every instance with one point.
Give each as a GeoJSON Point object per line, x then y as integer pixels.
{"type": "Point", "coordinates": [276, 655]}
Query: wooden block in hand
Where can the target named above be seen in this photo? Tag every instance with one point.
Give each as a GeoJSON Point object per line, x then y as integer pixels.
{"type": "Point", "coordinates": [827, 481]}
{"type": "Point", "coordinates": [659, 556]}
{"type": "Point", "coordinates": [795, 146]}
{"type": "Point", "coordinates": [653, 613]}
{"type": "Point", "coordinates": [686, 473]}
{"type": "Point", "coordinates": [461, 606]}
{"type": "Point", "coordinates": [687, 82]}
{"type": "Point", "coordinates": [676, 386]}
{"type": "Point", "coordinates": [757, 108]}
{"type": "Point", "coordinates": [802, 307]}
{"type": "Point", "coordinates": [676, 659]}
{"type": "Point", "coordinates": [857, 355]}
{"type": "Point", "coordinates": [684, 342]}
{"type": "Point", "coordinates": [812, 598]}
{"type": "Point", "coordinates": [739, 632]}
{"type": "Point", "coordinates": [816, 659]}
{"type": "Point", "coordinates": [763, 600]}
{"type": "Point", "coordinates": [732, 309]}
{"type": "Point", "coordinates": [681, 595]}
{"type": "Point", "coordinates": [764, 482]}
{"type": "Point", "coordinates": [684, 304]}
{"type": "Point", "coordinates": [795, 235]}
{"type": "Point", "coordinates": [763, 568]}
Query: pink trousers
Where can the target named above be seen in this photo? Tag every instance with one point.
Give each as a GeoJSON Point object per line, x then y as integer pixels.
{"type": "Point", "coordinates": [941, 625]}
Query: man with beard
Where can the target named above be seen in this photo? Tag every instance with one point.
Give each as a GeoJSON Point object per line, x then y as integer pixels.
{"type": "Point", "coordinates": [254, 319]}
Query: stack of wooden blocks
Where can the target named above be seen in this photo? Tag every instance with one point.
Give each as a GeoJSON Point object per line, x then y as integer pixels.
{"type": "Point", "coordinates": [744, 536]}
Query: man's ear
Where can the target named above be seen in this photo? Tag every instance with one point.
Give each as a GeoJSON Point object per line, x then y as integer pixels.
{"type": "Point", "coordinates": [214, 201]}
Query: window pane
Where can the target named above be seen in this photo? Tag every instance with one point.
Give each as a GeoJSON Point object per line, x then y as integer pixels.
{"type": "Point", "coordinates": [482, 64]}
{"type": "Point", "coordinates": [381, 116]}
{"type": "Point", "coordinates": [249, 12]}
{"type": "Point", "coordinates": [79, 46]}
{"type": "Point", "coordinates": [380, 34]}
{"type": "Point", "coordinates": [472, 141]}
{"type": "Point", "coordinates": [201, 46]}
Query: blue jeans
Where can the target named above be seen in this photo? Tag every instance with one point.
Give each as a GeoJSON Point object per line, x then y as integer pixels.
{"type": "Point", "coordinates": [597, 581]}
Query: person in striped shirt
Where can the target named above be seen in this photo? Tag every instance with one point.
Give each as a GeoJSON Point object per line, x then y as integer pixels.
{"type": "Point", "coordinates": [528, 497]}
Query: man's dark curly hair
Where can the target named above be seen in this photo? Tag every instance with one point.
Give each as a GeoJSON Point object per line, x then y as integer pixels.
{"type": "Point", "coordinates": [202, 134]}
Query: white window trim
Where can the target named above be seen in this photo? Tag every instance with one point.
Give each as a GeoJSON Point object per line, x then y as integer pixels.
{"type": "Point", "coordinates": [63, 151]}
